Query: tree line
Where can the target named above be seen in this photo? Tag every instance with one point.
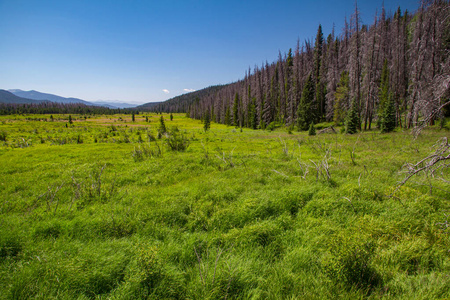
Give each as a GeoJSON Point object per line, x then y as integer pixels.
{"type": "Point", "coordinates": [395, 72]}
{"type": "Point", "coordinates": [58, 108]}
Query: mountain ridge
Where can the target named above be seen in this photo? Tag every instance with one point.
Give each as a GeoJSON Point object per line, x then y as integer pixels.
{"type": "Point", "coordinates": [8, 97]}
{"type": "Point", "coordinates": [36, 95]}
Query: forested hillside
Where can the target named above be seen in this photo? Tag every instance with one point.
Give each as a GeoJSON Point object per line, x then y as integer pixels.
{"type": "Point", "coordinates": [395, 71]}
{"type": "Point", "coordinates": [181, 103]}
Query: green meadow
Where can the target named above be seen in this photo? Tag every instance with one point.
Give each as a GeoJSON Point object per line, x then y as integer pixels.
{"type": "Point", "coordinates": [104, 208]}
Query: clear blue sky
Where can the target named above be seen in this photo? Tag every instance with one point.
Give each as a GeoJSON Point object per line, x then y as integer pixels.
{"type": "Point", "coordinates": [139, 50]}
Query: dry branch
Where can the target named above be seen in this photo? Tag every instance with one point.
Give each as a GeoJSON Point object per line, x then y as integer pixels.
{"type": "Point", "coordinates": [429, 164]}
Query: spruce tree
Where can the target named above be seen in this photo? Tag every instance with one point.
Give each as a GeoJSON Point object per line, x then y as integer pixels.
{"type": "Point", "coordinates": [304, 113]}
{"type": "Point", "coordinates": [227, 116]}
{"type": "Point", "coordinates": [132, 117]}
{"type": "Point", "coordinates": [319, 88]}
{"type": "Point", "coordinates": [70, 119]}
{"type": "Point", "coordinates": [236, 110]}
{"type": "Point", "coordinates": [318, 54]}
{"type": "Point", "coordinates": [341, 98]}
{"type": "Point", "coordinates": [171, 117]}
{"type": "Point", "coordinates": [388, 117]}
{"type": "Point", "coordinates": [352, 123]}
{"type": "Point", "coordinates": [162, 127]}
{"type": "Point", "coordinates": [207, 122]}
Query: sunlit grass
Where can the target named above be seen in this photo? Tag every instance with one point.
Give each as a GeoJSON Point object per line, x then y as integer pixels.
{"type": "Point", "coordinates": [251, 214]}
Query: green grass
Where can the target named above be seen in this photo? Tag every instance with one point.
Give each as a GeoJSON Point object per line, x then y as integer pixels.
{"type": "Point", "coordinates": [92, 211]}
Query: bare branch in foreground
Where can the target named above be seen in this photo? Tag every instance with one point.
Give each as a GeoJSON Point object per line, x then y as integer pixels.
{"type": "Point", "coordinates": [430, 164]}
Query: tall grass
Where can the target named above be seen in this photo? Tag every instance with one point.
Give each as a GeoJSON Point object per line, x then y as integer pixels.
{"type": "Point", "coordinates": [236, 215]}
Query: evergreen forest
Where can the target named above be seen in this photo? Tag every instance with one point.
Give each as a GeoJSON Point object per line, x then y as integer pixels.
{"type": "Point", "coordinates": [394, 72]}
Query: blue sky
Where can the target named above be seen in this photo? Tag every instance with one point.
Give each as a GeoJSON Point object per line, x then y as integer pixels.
{"type": "Point", "coordinates": [143, 51]}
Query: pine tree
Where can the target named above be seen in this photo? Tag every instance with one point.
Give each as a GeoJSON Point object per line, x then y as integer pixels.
{"type": "Point", "coordinates": [227, 116]}
{"type": "Point", "coordinates": [132, 117]}
{"type": "Point", "coordinates": [304, 113]}
{"type": "Point", "coordinates": [252, 116]}
{"type": "Point", "coordinates": [236, 110]}
{"type": "Point", "coordinates": [341, 98]}
{"type": "Point", "coordinates": [171, 117]}
{"type": "Point", "coordinates": [162, 127]}
{"type": "Point", "coordinates": [207, 121]}
{"type": "Point", "coordinates": [319, 88]}
{"type": "Point", "coordinates": [289, 89]}
{"type": "Point", "coordinates": [388, 117]}
{"type": "Point", "coordinates": [70, 119]}
{"type": "Point", "coordinates": [352, 123]}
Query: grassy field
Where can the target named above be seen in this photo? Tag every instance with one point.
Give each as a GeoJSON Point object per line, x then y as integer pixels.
{"type": "Point", "coordinates": [103, 209]}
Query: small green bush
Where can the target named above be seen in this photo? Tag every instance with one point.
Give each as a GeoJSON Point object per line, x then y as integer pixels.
{"type": "Point", "coordinates": [271, 126]}
{"type": "Point", "coordinates": [312, 129]}
{"type": "Point", "coordinates": [177, 141]}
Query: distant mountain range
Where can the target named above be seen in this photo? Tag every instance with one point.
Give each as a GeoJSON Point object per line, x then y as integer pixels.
{"type": "Point", "coordinates": [22, 97]}
{"type": "Point", "coordinates": [8, 97]}
{"type": "Point", "coordinates": [113, 104]}
{"type": "Point", "coordinates": [35, 95]}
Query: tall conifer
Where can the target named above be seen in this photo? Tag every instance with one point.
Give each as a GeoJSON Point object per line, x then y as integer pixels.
{"type": "Point", "coordinates": [304, 112]}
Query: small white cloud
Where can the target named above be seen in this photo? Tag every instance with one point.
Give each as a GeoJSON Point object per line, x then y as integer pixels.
{"type": "Point", "coordinates": [189, 90]}
{"type": "Point", "coordinates": [166, 91]}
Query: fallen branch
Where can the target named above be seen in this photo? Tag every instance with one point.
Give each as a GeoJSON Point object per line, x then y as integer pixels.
{"type": "Point", "coordinates": [431, 163]}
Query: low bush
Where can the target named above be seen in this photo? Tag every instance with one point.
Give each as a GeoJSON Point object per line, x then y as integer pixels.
{"type": "Point", "coordinates": [176, 140]}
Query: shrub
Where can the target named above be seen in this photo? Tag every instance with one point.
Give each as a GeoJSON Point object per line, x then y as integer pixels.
{"type": "Point", "coordinates": [177, 141]}
{"type": "Point", "coordinates": [312, 129]}
{"type": "Point", "coordinates": [271, 126]}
